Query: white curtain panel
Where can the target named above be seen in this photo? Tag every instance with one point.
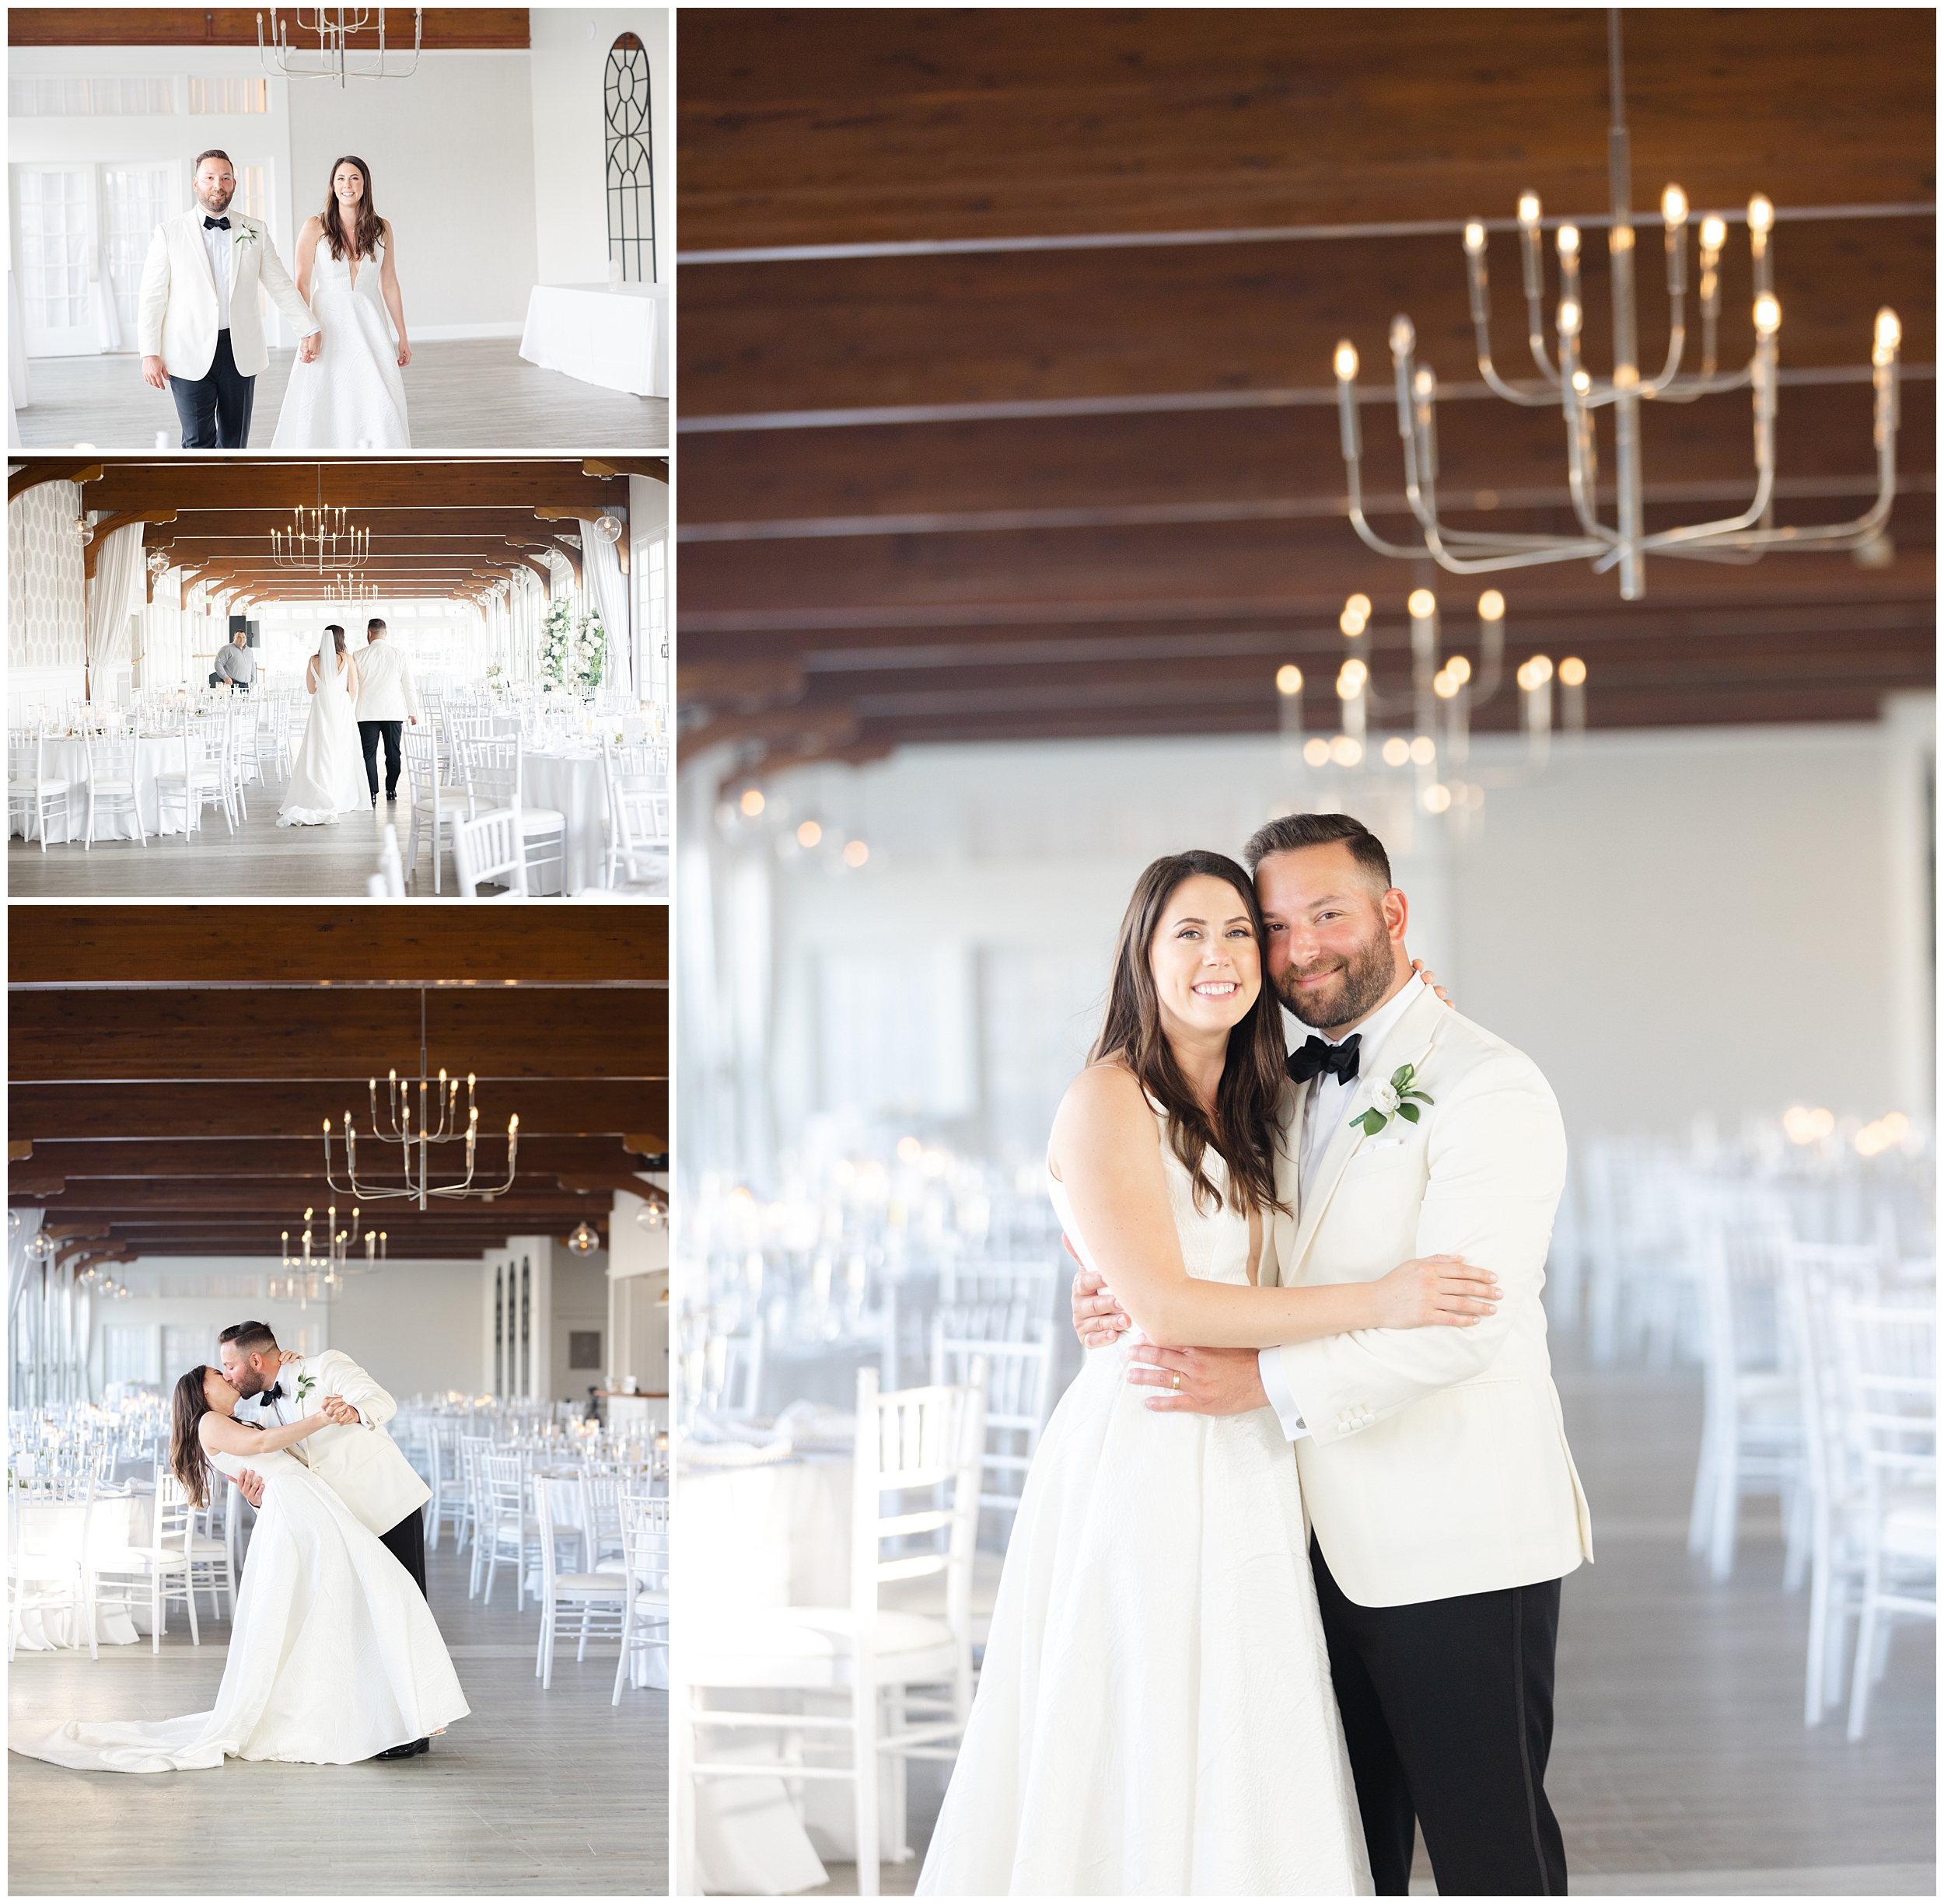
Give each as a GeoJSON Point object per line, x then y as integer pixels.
{"type": "Point", "coordinates": [118, 591]}
{"type": "Point", "coordinates": [601, 564]}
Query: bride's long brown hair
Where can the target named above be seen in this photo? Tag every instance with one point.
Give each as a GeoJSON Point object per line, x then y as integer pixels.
{"type": "Point", "coordinates": [1242, 1130]}
{"type": "Point", "coordinates": [367, 234]}
{"type": "Point", "coordinates": [187, 1457]}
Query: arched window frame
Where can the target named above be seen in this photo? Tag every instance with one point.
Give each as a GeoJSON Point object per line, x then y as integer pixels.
{"type": "Point", "coordinates": [628, 119]}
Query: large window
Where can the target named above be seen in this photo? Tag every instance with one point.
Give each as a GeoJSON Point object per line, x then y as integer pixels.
{"type": "Point", "coordinates": [630, 162]}
{"type": "Point", "coordinates": [651, 623]}
{"type": "Point", "coordinates": [135, 200]}
{"type": "Point", "coordinates": [52, 212]}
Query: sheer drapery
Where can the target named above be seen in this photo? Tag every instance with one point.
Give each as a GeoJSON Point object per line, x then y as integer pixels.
{"type": "Point", "coordinates": [601, 568]}
{"type": "Point", "coordinates": [118, 591]}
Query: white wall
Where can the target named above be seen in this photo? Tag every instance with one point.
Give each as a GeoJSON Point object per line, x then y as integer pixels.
{"type": "Point", "coordinates": [569, 64]}
{"type": "Point", "coordinates": [1669, 922]}
{"type": "Point", "coordinates": [451, 154]}
{"type": "Point", "coordinates": [579, 1302]}
{"type": "Point", "coordinates": [638, 1279]}
{"type": "Point", "coordinates": [450, 150]}
{"type": "Point", "coordinates": [411, 1325]}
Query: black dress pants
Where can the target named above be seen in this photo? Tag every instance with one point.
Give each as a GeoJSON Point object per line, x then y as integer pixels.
{"type": "Point", "coordinates": [214, 409]}
{"type": "Point", "coordinates": [408, 1540]}
{"type": "Point", "coordinates": [369, 732]}
{"type": "Point", "coordinates": [1448, 1712]}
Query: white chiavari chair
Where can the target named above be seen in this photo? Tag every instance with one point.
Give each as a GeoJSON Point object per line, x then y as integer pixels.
{"type": "Point", "coordinates": [114, 784]}
{"type": "Point", "coordinates": [645, 1551]}
{"type": "Point", "coordinates": [599, 1598]}
{"type": "Point", "coordinates": [153, 1575]}
{"type": "Point", "coordinates": [1887, 1368]}
{"type": "Point", "coordinates": [46, 1574]}
{"type": "Point", "coordinates": [34, 791]}
{"type": "Point", "coordinates": [637, 810]}
{"type": "Point", "coordinates": [448, 1482]}
{"type": "Point", "coordinates": [491, 769]}
{"type": "Point", "coordinates": [906, 1677]}
{"type": "Point", "coordinates": [487, 851]}
{"type": "Point", "coordinates": [1018, 1391]}
{"type": "Point", "coordinates": [201, 776]}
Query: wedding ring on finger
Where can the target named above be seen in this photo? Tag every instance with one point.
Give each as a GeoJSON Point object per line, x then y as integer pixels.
{"type": "Point", "coordinates": [1177, 1378]}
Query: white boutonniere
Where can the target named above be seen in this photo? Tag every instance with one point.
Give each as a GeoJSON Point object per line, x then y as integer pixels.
{"type": "Point", "coordinates": [304, 1385]}
{"type": "Point", "coordinates": [1393, 1100]}
{"type": "Point", "coordinates": [243, 234]}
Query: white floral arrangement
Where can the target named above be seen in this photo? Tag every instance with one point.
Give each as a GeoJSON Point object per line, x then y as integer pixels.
{"type": "Point", "coordinates": [243, 233]}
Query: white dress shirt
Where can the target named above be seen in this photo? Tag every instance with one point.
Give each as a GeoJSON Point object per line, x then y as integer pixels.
{"type": "Point", "coordinates": [1328, 1100]}
{"type": "Point", "coordinates": [218, 243]}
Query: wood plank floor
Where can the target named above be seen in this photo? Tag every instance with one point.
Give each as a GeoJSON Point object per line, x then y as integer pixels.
{"type": "Point", "coordinates": [534, 1794]}
{"type": "Point", "coordinates": [468, 393]}
{"type": "Point", "coordinates": [260, 860]}
{"type": "Point", "coordinates": [1680, 1764]}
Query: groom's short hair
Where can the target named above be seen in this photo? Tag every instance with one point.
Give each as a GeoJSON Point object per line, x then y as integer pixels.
{"type": "Point", "coordinates": [250, 1338]}
{"type": "Point", "coordinates": [375, 622]}
{"type": "Point", "coordinates": [1295, 831]}
{"type": "Point", "coordinates": [214, 152]}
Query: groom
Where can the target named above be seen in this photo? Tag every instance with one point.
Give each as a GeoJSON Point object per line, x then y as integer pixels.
{"type": "Point", "coordinates": [1442, 1502]}
{"type": "Point", "coordinates": [202, 335]}
{"type": "Point", "coordinates": [363, 1463]}
{"type": "Point", "coordinates": [386, 699]}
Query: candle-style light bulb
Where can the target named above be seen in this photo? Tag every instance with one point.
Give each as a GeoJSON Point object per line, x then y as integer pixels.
{"type": "Point", "coordinates": [1761, 215]}
{"type": "Point", "coordinates": [1491, 605]}
{"type": "Point", "coordinates": [1474, 237]}
{"type": "Point", "coordinates": [1714, 235]}
{"type": "Point", "coordinates": [1345, 362]}
{"type": "Point", "coordinates": [1569, 241]}
{"type": "Point", "coordinates": [1528, 208]}
{"type": "Point", "coordinates": [1768, 315]}
{"type": "Point", "coordinates": [1673, 207]}
{"type": "Point", "coordinates": [1889, 336]}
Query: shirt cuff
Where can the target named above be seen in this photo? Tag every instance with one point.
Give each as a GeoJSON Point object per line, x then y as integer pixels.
{"type": "Point", "coordinates": [1275, 1385]}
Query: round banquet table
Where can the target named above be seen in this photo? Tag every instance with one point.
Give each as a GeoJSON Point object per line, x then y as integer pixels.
{"type": "Point", "coordinates": [54, 1528]}
{"type": "Point", "coordinates": [68, 759]}
{"type": "Point", "coordinates": [571, 783]}
{"type": "Point", "coordinates": [776, 1535]}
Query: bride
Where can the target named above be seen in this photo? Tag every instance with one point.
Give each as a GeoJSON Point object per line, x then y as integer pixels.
{"type": "Point", "coordinates": [334, 1656]}
{"type": "Point", "coordinates": [350, 396]}
{"type": "Point", "coordinates": [1155, 1716]}
{"type": "Point", "coordinates": [327, 777]}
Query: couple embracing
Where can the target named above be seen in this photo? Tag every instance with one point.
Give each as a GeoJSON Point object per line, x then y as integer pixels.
{"type": "Point", "coordinates": [1273, 1601]}
{"type": "Point", "coordinates": [334, 1656]}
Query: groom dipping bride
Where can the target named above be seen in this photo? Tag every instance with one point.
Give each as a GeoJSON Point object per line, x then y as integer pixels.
{"type": "Point", "coordinates": [1213, 1667]}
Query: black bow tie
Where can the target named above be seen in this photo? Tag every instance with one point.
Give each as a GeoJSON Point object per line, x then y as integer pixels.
{"type": "Point", "coordinates": [215, 224]}
{"type": "Point", "coordinates": [276, 1388]}
{"type": "Point", "coordinates": [1339, 1060]}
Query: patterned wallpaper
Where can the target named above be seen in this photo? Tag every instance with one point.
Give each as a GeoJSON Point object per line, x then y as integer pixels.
{"type": "Point", "coordinates": [47, 612]}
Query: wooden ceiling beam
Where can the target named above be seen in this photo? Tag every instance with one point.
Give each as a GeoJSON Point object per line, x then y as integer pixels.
{"type": "Point", "coordinates": [498, 1033]}
{"type": "Point", "coordinates": [274, 1159]}
{"type": "Point", "coordinates": [546, 1107]}
{"type": "Point", "coordinates": [165, 946]}
{"type": "Point", "coordinates": [446, 29]}
{"type": "Point", "coordinates": [401, 484]}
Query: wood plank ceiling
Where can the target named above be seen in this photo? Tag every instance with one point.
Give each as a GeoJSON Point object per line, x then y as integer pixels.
{"type": "Point", "coordinates": [437, 530]}
{"type": "Point", "coordinates": [446, 29]}
{"type": "Point", "coordinates": [170, 1068]}
{"type": "Point", "coordinates": [970, 484]}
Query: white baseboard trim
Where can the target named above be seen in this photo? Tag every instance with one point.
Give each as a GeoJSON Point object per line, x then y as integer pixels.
{"type": "Point", "coordinates": [444, 333]}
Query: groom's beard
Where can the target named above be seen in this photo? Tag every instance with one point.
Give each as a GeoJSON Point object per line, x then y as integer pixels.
{"type": "Point", "coordinates": [218, 202]}
{"type": "Point", "coordinates": [1369, 973]}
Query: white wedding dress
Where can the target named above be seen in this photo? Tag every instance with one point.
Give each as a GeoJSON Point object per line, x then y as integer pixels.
{"type": "Point", "coordinates": [354, 395]}
{"type": "Point", "coordinates": [327, 777]}
{"type": "Point", "coordinates": [1155, 1716]}
{"type": "Point", "coordinates": [333, 1657]}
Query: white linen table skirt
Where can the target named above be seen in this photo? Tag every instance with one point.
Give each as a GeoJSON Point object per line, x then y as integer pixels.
{"type": "Point", "coordinates": [119, 1520]}
{"type": "Point", "coordinates": [571, 784]}
{"type": "Point", "coordinates": [595, 333]}
{"type": "Point", "coordinates": [68, 759]}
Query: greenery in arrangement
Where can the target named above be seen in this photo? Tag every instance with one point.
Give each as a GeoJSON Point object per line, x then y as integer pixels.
{"type": "Point", "coordinates": [572, 650]}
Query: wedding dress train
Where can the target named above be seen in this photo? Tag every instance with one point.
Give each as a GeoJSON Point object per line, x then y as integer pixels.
{"type": "Point", "coordinates": [1155, 1716]}
{"type": "Point", "coordinates": [334, 1656]}
{"type": "Point", "coordinates": [353, 396]}
{"type": "Point", "coordinates": [327, 777]}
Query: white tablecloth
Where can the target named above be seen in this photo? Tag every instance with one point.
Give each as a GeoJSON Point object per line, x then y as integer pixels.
{"type": "Point", "coordinates": [616, 338]}
{"type": "Point", "coordinates": [119, 1520]}
{"type": "Point", "coordinates": [68, 759]}
{"type": "Point", "coordinates": [572, 785]}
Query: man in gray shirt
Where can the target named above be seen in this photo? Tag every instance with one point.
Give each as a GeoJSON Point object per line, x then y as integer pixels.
{"type": "Point", "coordinates": [235, 663]}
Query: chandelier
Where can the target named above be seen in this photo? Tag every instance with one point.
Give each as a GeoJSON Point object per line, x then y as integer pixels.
{"type": "Point", "coordinates": [320, 539]}
{"type": "Point", "coordinates": [333, 27]}
{"type": "Point", "coordinates": [1445, 692]}
{"type": "Point", "coordinates": [1564, 382]}
{"type": "Point", "coordinates": [439, 1124]}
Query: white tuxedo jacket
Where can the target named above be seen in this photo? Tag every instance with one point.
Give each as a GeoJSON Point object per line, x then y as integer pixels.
{"type": "Point", "coordinates": [179, 310]}
{"type": "Point", "coordinates": [363, 1462]}
{"type": "Point", "coordinates": [1436, 1461]}
{"type": "Point", "coordinates": [385, 689]}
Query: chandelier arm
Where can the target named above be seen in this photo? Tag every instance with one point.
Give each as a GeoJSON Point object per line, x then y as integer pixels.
{"type": "Point", "coordinates": [1579, 445]}
{"type": "Point", "coordinates": [1668, 539]}
{"type": "Point", "coordinates": [1685, 389]}
{"type": "Point", "coordinates": [1353, 470]}
{"type": "Point", "coordinates": [1536, 338]}
{"type": "Point", "coordinates": [1676, 343]}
